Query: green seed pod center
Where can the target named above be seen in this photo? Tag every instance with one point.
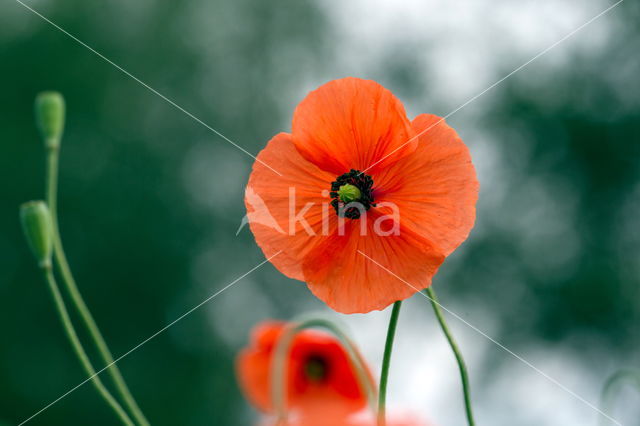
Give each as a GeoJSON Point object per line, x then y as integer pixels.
{"type": "Point", "coordinates": [349, 193]}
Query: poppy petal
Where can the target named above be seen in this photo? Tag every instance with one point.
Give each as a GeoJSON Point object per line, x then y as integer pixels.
{"type": "Point", "coordinates": [435, 188]}
{"type": "Point", "coordinates": [253, 364]}
{"type": "Point", "coordinates": [352, 124]}
{"type": "Point", "coordinates": [358, 273]}
{"type": "Point", "coordinates": [340, 387]}
{"type": "Point", "coordinates": [271, 217]}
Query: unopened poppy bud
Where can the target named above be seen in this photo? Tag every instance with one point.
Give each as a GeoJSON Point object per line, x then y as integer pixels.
{"type": "Point", "coordinates": [349, 193]}
{"type": "Point", "coordinates": [36, 224]}
{"type": "Point", "coordinates": [50, 109]}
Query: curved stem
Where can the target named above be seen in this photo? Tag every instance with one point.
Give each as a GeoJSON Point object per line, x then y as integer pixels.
{"type": "Point", "coordinates": [464, 375]}
{"type": "Point", "coordinates": [79, 350]}
{"type": "Point", "coordinates": [72, 288]}
{"type": "Point", "coordinates": [613, 383]}
{"type": "Point", "coordinates": [386, 363]}
{"type": "Point", "coordinates": [279, 365]}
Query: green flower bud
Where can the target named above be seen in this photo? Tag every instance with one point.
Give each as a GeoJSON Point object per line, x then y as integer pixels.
{"type": "Point", "coordinates": [50, 117]}
{"type": "Point", "coordinates": [36, 224]}
{"type": "Point", "coordinates": [349, 193]}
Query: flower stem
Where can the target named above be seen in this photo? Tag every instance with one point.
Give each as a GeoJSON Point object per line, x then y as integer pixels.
{"type": "Point", "coordinates": [279, 366]}
{"type": "Point", "coordinates": [79, 350]}
{"type": "Point", "coordinates": [72, 288]}
{"type": "Point", "coordinates": [464, 375]}
{"type": "Point", "coordinates": [613, 383]}
{"type": "Point", "coordinates": [386, 363]}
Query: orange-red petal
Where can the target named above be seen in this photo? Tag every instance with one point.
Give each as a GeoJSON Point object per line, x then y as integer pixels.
{"type": "Point", "coordinates": [360, 272]}
{"type": "Point", "coordinates": [351, 124]}
{"type": "Point", "coordinates": [267, 198]}
{"type": "Point", "coordinates": [436, 187]}
{"type": "Point", "coordinates": [253, 364]}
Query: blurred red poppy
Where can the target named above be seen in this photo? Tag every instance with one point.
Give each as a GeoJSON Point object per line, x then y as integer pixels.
{"type": "Point", "coordinates": [320, 376]}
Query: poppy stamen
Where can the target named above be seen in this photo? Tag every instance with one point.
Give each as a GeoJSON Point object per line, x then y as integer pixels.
{"type": "Point", "coordinates": [352, 188]}
{"type": "Point", "coordinates": [316, 368]}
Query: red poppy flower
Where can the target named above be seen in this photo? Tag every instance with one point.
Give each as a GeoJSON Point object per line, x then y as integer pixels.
{"type": "Point", "coordinates": [412, 181]}
{"type": "Point", "coordinates": [320, 375]}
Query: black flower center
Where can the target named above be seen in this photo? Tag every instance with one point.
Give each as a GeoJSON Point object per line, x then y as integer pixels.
{"type": "Point", "coordinates": [316, 368]}
{"type": "Point", "coordinates": [352, 194]}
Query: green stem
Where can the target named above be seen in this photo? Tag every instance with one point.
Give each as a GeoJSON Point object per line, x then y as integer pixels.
{"type": "Point", "coordinates": [76, 297]}
{"type": "Point", "coordinates": [613, 383]}
{"type": "Point", "coordinates": [386, 363]}
{"type": "Point", "coordinates": [464, 375]}
{"type": "Point", "coordinates": [279, 365]}
{"type": "Point", "coordinates": [79, 350]}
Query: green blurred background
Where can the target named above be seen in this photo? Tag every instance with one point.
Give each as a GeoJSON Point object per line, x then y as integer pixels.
{"type": "Point", "coordinates": [150, 199]}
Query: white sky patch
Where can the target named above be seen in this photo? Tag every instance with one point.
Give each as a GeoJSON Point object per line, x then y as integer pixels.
{"type": "Point", "coordinates": [461, 45]}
